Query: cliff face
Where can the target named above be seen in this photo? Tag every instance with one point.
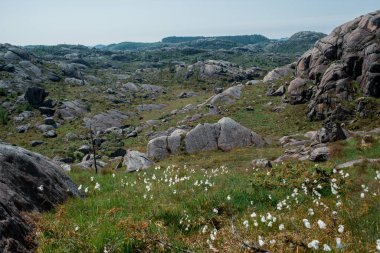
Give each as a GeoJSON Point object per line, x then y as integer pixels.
{"type": "Point", "coordinates": [342, 66]}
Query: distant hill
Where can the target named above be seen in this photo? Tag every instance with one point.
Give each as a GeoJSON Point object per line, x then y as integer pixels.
{"type": "Point", "coordinates": [298, 42]}
{"type": "Point", "coordinates": [131, 46]}
{"type": "Point", "coordinates": [240, 39]}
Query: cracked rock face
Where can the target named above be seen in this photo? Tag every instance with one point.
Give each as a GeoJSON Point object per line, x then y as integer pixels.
{"type": "Point", "coordinates": [342, 64]}
{"type": "Point", "coordinates": [225, 135]}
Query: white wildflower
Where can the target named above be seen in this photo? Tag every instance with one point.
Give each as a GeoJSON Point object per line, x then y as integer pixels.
{"type": "Point", "coordinates": [310, 212]}
{"type": "Point", "coordinates": [97, 186]}
{"type": "Point", "coordinates": [92, 179]}
{"type": "Point", "coordinates": [326, 247]}
{"type": "Point", "coordinates": [313, 244]}
{"type": "Point", "coordinates": [76, 228]}
{"type": "Point", "coordinates": [40, 188]}
{"type": "Point", "coordinates": [378, 240]}
{"type": "Point", "coordinates": [306, 223]}
{"type": "Point", "coordinates": [321, 224]}
{"type": "Point", "coordinates": [253, 215]}
{"type": "Point", "coordinates": [80, 188]}
{"type": "Point", "coordinates": [215, 210]}
{"type": "Point", "coordinates": [281, 227]}
{"type": "Point", "coordinates": [204, 229]}
{"type": "Point", "coordinates": [339, 243]}
{"type": "Point", "coordinates": [341, 229]}
{"type": "Point", "coordinates": [86, 190]}
{"type": "Point", "coordinates": [246, 224]}
{"type": "Point", "coordinates": [228, 197]}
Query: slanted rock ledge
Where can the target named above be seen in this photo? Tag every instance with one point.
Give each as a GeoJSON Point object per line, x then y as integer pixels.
{"type": "Point", "coordinates": [29, 182]}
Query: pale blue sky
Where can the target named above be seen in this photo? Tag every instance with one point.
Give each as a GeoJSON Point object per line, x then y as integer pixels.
{"type": "Point", "coordinates": [91, 22]}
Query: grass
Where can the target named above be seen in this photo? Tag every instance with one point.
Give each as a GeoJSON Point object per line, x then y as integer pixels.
{"type": "Point", "coordinates": [173, 205]}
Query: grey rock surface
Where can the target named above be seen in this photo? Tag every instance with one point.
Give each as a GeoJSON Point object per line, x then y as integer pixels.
{"type": "Point", "coordinates": [135, 160]}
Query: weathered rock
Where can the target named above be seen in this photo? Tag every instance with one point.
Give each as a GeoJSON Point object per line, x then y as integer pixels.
{"type": "Point", "coordinates": [36, 143]}
{"type": "Point", "coordinates": [298, 91]}
{"type": "Point", "coordinates": [105, 120]}
{"type": "Point", "coordinates": [35, 96]}
{"type": "Point", "coordinates": [71, 137]}
{"type": "Point", "coordinates": [175, 139]}
{"type": "Point", "coordinates": [135, 160]}
{"type": "Point", "coordinates": [356, 162]}
{"type": "Point", "coordinates": [158, 148]}
{"type": "Point", "coordinates": [149, 107]}
{"type": "Point", "coordinates": [278, 92]}
{"type": "Point", "coordinates": [50, 134]}
{"type": "Point", "coordinates": [71, 110]}
{"type": "Point", "coordinates": [278, 73]}
{"type": "Point", "coordinates": [46, 111]}
{"type": "Point", "coordinates": [225, 135]}
{"type": "Point", "coordinates": [29, 182]}
{"type": "Point", "coordinates": [204, 137]}
{"type": "Point", "coordinates": [49, 121]}
{"type": "Point", "coordinates": [85, 149]}
{"type": "Point", "coordinates": [261, 163]}
{"type": "Point", "coordinates": [23, 128]}
{"type": "Point", "coordinates": [217, 69]}
{"type": "Point", "coordinates": [331, 132]}
{"type": "Point", "coordinates": [343, 64]}
{"type": "Point", "coordinates": [320, 154]}
{"type": "Point", "coordinates": [228, 96]}
{"type": "Point", "coordinates": [118, 152]}
{"type": "Point", "coordinates": [73, 70]}
{"type": "Point", "coordinates": [44, 128]}
{"type": "Point", "coordinates": [233, 135]}
{"type": "Point", "coordinates": [253, 82]}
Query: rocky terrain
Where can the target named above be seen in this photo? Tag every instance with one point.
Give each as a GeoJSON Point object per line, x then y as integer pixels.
{"type": "Point", "coordinates": [212, 127]}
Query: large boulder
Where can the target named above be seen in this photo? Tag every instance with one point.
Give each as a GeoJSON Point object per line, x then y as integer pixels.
{"type": "Point", "coordinates": [203, 137]}
{"type": "Point", "coordinates": [135, 160]}
{"type": "Point", "coordinates": [158, 148]}
{"type": "Point", "coordinates": [70, 110]}
{"type": "Point", "coordinates": [228, 96]}
{"type": "Point", "coordinates": [340, 66]}
{"type": "Point", "coordinates": [29, 182]}
{"type": "Point", "coordinates": [225, 135]}
{"type": "Point", "coordinates": [233, 135]}
{"type": "Point", "coordinates": [35, 96]}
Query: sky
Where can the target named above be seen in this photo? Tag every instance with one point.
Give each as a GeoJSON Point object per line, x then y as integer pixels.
{"type": "Point", "coordinates": [92, 22]}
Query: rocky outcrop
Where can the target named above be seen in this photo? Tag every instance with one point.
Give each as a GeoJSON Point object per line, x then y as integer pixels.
{"type": "Point", "coordinates": [29, 182]}
{"type": "Point", "coordinates": [217, 69]}
{"type": "Point", "coordinates": [341, 66]}
{"type": "Point", "coordinates": [105, 120]}
{"type": "Point", "coordinates": [225, 135]}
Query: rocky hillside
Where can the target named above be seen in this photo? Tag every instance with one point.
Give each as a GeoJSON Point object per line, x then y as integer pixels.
{"type": "Point", "coordinates": [216, 135]}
